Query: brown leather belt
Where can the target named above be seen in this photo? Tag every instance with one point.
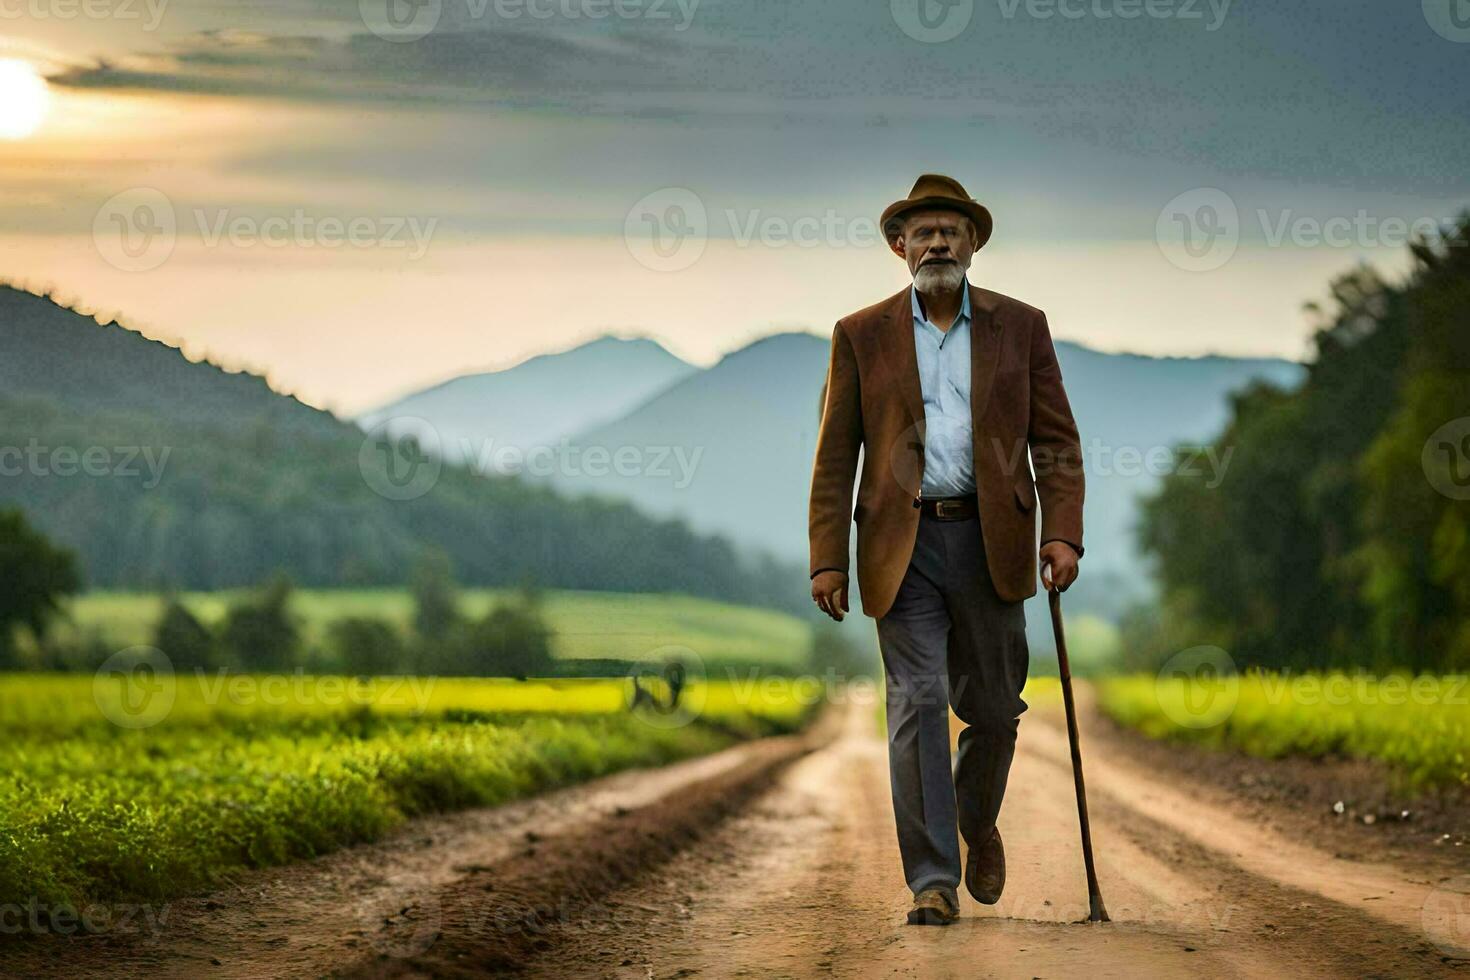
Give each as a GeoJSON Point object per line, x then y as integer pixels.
{"type": "Point", "coordinates": [949, 508]}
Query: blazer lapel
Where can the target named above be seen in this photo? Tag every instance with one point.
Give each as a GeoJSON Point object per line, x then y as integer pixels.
{"type": "Point", "coordinates": [985, 337]}
{"type": "Point", "coordinates": [898, 344]}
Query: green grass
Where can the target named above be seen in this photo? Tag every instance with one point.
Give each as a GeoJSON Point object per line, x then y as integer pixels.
{"type": "Point", "coordinates": [586, 624]}
{"type": "Point", "coordinates": [1418, 726]}
{"type": "Point", "coordinates": [263, 771]}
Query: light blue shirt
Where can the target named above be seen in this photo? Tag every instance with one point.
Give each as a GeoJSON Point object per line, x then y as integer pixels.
{"type": "Point", "coordinates": [944, 376]}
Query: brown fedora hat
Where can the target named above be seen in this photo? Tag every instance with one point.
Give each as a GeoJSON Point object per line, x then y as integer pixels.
{"type": "Point", "coordinates": [941, 193]}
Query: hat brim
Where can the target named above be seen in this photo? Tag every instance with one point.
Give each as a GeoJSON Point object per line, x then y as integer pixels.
{"type": "Point", "coordinates": [891, 223]}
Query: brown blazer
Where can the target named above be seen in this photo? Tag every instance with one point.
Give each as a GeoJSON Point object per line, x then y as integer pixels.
{"type": "Point", "coordinates": [874, 403]}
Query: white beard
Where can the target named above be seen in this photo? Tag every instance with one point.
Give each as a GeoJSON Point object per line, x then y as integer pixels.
{"type": "Point", "coordinates": [939, 278]}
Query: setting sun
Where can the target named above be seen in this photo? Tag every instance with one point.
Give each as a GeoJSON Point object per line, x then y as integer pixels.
{"type": "Point", "coordinates": [23, 99]}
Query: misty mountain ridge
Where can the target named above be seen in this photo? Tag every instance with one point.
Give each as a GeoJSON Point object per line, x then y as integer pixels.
{"type": "Point", "coordinates": [753, 417]}
{"type": "Point", "coordinates": [536, 403]}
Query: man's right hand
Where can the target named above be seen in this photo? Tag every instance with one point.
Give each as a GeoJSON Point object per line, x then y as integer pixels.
{"type": "Point", "coordinates": [829, 589]}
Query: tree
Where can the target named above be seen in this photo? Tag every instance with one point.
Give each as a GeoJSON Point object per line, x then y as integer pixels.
{"type": "Point", "coordinates": [37, 576]}
{"type": "Point", "coordinates": [435, 597]}
{"type": "Point", "coordinates": [364, 645]}
{"type": "Point", "coordinates": [1414, 561]}
{"type": "Point", "coordinates": [187, 642]}
{"type": "Point", "coordinates": [259, 631]}
{"type": "Point", "coordinates": [512, 640]}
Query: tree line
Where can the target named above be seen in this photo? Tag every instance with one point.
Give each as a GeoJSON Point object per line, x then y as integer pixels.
{"type": "Point", "coordinates": [260, 632]}
{"type": "Point", "coordinates": [1340, 534]}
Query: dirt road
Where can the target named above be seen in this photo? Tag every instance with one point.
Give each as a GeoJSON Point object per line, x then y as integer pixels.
{"type": "Point", "coordinates": [807, 883]}
{"type": "Point", "coordinates": [778, 859]}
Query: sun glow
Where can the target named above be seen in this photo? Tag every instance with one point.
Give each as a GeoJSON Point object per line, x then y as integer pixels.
{"type": "Point", "coordinates": [24, 99]}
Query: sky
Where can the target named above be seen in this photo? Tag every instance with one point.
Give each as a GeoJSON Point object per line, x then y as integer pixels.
{"type": "Point", "coordinates": [358, 198]}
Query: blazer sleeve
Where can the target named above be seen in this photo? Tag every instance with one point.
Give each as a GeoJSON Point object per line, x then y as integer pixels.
{"type": "Point", "coordinates": [1056, 449]}
{"type": "Point", "coordinates": [839, 440]}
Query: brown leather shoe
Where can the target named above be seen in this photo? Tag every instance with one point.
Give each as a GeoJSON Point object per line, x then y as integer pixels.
{"type": "Point", "coordinates": [934, 907]}
{"type": "Point", "coordinates": [985, 870]}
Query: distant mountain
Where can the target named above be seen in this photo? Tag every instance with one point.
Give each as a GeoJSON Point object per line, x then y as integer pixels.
{"type": "Point", "coordinates": [746, 433]}
{"type": "Point", "coordinates": [162, 472]}
{"type": "Point", "coordinates": [539, 401]}
{"type": "Point", "coordinates": [739, 438]}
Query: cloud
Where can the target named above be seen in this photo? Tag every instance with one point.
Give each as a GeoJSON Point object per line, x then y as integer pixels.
{"type": "Point", "coordinates": [1360, 102]}
{"type": "Point", "coordinates": [505, 66]}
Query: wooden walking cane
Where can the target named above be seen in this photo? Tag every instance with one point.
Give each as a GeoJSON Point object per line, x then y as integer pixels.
{"type": "Point", "coordinates": [1094, 895]}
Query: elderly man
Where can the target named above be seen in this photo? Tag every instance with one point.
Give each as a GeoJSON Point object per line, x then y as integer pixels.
{"type": "Point", "coordinates": [953, 395]}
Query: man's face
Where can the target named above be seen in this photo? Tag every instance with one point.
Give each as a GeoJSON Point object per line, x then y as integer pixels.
{"type": "Point", "coordinates": [938, 246]}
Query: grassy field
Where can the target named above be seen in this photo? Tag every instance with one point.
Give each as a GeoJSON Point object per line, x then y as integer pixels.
{"type": "Point", "coordinates": [129, 788]}
{"type": "Point", "coordinates": [586, 624]}
{"type": "Point", "coordinates": [1418, 726]}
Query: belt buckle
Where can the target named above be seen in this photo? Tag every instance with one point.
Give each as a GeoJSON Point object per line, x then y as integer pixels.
{"type": "Point", "coordinates": [946, 509]}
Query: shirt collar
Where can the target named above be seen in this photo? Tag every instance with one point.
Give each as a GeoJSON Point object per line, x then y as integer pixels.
{"type": "Point", "coordinates": [964, 314]}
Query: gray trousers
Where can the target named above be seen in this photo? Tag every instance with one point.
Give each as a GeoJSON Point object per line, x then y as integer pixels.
{"type": "Point", "coordinates": [949, 640]}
